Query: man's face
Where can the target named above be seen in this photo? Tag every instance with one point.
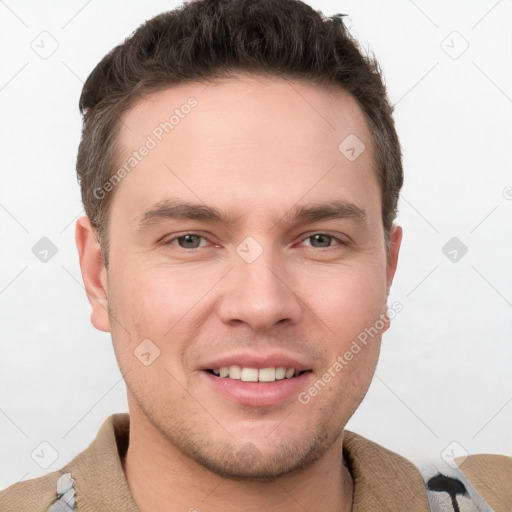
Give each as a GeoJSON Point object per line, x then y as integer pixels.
{"type": "Point", "coordinates": [260, 288]}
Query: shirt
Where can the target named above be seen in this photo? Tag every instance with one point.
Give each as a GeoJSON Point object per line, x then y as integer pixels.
{"type": "Point", "coordinates": [94, 480]}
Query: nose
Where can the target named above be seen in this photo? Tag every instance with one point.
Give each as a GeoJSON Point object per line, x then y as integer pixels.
{"type": "Point", "coordinates": [260, 294]}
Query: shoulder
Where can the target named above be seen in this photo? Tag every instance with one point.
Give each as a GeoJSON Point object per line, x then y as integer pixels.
{"type": "Point", "coordinates": [471, 483]}
{"type": "Point", "coordinates": [55, 491]}
{"type": "Point", "coordinates": [382, 477]}
{"type": "Point", "coordinates": [480, 482]}
{"type": "Point", "coordinates": [36, 494]}
{"type": "Point", "coordinates": [491, 476]}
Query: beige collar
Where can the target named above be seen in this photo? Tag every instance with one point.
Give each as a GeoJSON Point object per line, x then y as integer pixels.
{"type": "Point", "coordinates": [381, 477]}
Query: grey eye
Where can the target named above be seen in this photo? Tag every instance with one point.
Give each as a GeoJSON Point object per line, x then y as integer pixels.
{"type": "Point", "coordinates": [189, 241]}
{"type": "Point", "coordinates": [323, 240]}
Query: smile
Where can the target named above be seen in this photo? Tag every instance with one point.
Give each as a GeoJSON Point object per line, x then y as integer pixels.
{"type": "Point", "coordinates": [247, 374]}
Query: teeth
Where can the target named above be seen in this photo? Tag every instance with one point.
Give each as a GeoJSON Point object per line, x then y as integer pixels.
{"type": "Point", "coordinates": [280, 372]}
{"type": "Point", "coordinates": [270, 374]}
{"type": "Point", "coordinates": [249, 375]}
{"type": "Point", "coordinates": [235, 372]}
{"type": "Point", "coordinates": [267, 375]}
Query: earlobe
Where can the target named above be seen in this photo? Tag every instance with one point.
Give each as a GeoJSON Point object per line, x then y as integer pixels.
{"type": "Point", "coordinates": [94, 273]}
{"type": "Point", "coordinates": [395, 240]}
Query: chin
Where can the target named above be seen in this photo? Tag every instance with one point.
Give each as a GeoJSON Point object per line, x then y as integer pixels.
{"type": "Point", "coordinates": [262, 462]}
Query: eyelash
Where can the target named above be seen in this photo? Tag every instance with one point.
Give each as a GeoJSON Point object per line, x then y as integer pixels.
{"type": "Point", "coordinates": [171, 240]}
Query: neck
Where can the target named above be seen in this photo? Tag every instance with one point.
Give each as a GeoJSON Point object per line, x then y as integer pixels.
{"type": "Point", "coordinates": [162, 479]}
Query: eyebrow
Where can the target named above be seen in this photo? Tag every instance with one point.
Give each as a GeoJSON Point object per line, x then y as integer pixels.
{"type": "Point", "coordinates": [337, 209]}
{"type": "Point", "coordinates": [173, 209]}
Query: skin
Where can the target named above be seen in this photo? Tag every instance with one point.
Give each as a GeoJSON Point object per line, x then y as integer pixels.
{"type": "Point", "coordinates": [253, 147]}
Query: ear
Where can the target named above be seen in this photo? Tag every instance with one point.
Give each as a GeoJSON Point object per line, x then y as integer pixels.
{"type": "Point", "coordinates": [395, 240]}
{"type": "Point", "coordinates": [94, 273]}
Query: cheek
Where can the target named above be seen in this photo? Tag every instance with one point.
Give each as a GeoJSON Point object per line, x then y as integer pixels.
{"type": "Point", "coordinates": [153, 299]}
{"type": "Point", "coordinates": [147, 348]}
{"type": "Point", "coordinates": [348, 299]}
{"type": "Point", "coordinates": [158, 303]}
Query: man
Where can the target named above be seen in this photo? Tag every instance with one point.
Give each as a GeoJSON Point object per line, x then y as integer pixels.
{"type": "Point", "coordinates": [240, 172]}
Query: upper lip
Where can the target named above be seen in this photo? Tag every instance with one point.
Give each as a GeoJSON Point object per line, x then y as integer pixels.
{"type": "Point", "coordinates": [258, 361]}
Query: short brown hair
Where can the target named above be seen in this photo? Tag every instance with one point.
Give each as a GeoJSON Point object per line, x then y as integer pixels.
{"type": "Point", "coordinates": [207, 39]}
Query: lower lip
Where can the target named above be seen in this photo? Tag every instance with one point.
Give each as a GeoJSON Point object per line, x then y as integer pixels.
{"type": "Point", "coordinates": [258, 394]}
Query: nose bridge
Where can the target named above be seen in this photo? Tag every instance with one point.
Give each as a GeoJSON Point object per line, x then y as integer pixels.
{"type": "Point", "coordinates": [258, 292]}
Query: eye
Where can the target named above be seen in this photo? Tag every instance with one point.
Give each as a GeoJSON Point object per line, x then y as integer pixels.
{"type": "Point", "coordinates": [320, 240]}
{"type": "Point", "coordinates": [187, 241]}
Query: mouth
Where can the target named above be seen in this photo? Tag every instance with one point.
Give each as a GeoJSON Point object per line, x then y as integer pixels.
{"type": "Point", "coordinates": [248, 374]}
{"type": "Point", "coordinates": [258, 384]}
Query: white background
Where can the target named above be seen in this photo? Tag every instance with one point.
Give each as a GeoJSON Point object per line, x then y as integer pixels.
{"type": "Point", "coordinates": [445, 368]}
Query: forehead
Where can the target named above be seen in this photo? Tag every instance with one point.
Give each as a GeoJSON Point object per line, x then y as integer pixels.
{"type": "Point", "coordinates": [249, 139]}
{"type": "Point", "coordinates": [258, 106]}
